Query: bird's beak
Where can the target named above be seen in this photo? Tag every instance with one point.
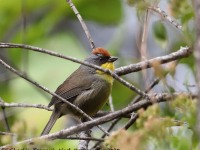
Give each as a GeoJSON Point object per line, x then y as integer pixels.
{"type": "Point", "coordinates": [112, 59]}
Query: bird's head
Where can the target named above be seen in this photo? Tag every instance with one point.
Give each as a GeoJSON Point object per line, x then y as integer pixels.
{"type": "Point", "coordinates": [102, 58]}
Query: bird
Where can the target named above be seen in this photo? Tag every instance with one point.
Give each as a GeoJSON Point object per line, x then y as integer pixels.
{"type": "Point", "coordinates": [87, 88]}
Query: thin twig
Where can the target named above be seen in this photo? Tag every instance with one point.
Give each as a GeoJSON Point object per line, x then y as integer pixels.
{"type": "Point", "coordinates": [25, 105]}
{"type": "Point", "coordinates": [166, 16]}
{"type": "Point", "coordinates": [5, 117]}
{"type": "Point", "coordinates": [69, 137]}
{"type": "Point", "coordinates": [7, 133]}
{"type": "Point", "coordinates": [40, 106]}
{"type": "Point", "coordinates": [48, 91]}
{"type": "Point", "coordinates": [133, 118]}
{"type": "Point", "coordinates": [137, 99]}
{"type": "Point", "coordinates": [46, 51]}
{"type": "Point", "coordinates": [131, 121]}
{"type": "Point", "coordinates": [111, 103]}
{"type": "Point", "coordinates": [82, 23]}
{"type": "Point", "coordinates": [82, 138]}
{"type": "Point", "coordinates": [113, 123]}
{"type": "Point", "coordinates": [127, 84]}
{"type": "Point", "coordinates": [152, 84]}
{"type": "Point", "coordinates": [181, 53]}
{"type": "Point", "coordinates": [12, 135]}
{"type": "Point", "coordinates": [157, 98]}
{"type": "Point", "coordinates": [37, 49]}
{"type": "Point", "coordinates": [103, 113]}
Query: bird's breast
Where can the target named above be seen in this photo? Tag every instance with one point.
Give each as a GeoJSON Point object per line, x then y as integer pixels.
{"type": "Point", "coordinates": [105, 76]}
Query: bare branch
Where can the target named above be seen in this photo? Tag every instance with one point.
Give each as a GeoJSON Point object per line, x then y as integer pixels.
{"type": "Point", "coordinates": [25, 105]}
{"type": "Point", "coordinates": [7, 133]}
{"type": "Point", "coordinates": [37, 49]}
{"type": "Point", "coordinates": [166, 17]}
{"type": "Point", "coordinates": [152, 84]}
{"type": "Point", "coordinates": [133, 118]}
{"type": "Point", "coordinates": [82, 138]}
{"type": "Point", "coordinates": [45, 51]}
{"type": "Point", "coordinates": [131, 121]}
{"type": "Point", "coordinates": [137, 99]}
{"type": "Point", "coordinates": [82, 23]}
{"type": "Point", "coordinates": [127, 84]}
{"type": "Point", "coordinates": [103, 113]}
{"type": "Point", "coordinates": [155, 98]}
{"type": "Point", "coordinates": [181, 53]}
{"type": "Point", "coordinates": [13, 136]}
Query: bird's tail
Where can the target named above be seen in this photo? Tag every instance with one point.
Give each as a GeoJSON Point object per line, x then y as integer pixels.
{"type": "Point", "coordinates": [51, 122]}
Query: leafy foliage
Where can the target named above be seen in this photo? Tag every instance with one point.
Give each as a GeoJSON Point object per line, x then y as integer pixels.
{"type": "Point", "coordinates": [155, 130]}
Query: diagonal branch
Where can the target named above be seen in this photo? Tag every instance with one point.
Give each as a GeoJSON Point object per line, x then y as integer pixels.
{"type": "Point", "coordinates": [156, 98]}
{"type": "Point", "coordinates": [132, 118]}
{"type": "Point", "coordinates": [41, 50]}
{"type": "Point", "coordinates": [25, 105]}
{"type": "Point", "coordinates": [82, 23]}
{"type": "Point", "coordinates": [48, 91]}
{"type": "Point", "coordinates": [131, 121]}
{"type": "Point", "coordinates": [181, 53]}
{"type": "Point", "coordinates": [82, 138]}
{"type": "Point", "coordinates": [166, 16]}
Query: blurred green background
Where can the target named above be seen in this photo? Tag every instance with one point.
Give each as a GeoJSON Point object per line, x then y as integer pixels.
{"type": "Point", "coordinates": [114, 24]}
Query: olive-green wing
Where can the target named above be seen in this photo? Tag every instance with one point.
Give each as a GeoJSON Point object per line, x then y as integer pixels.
{"type": "Point", "coordinates": [68, 95]}
{"type": "Point", "coordinates": [72, 87]}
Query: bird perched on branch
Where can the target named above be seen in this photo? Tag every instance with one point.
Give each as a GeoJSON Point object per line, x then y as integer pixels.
{"type": "Point", "coordinates": [87, 88]}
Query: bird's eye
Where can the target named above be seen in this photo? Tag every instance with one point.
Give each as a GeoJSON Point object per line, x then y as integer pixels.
{"type": "Point", "coordinates": [100, 55]}
{"type": "Point", "coordinates": [101, 58]}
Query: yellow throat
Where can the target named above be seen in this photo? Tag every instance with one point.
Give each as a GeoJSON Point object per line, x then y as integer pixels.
{"type": "Point", "coordinates": [110, 66]}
